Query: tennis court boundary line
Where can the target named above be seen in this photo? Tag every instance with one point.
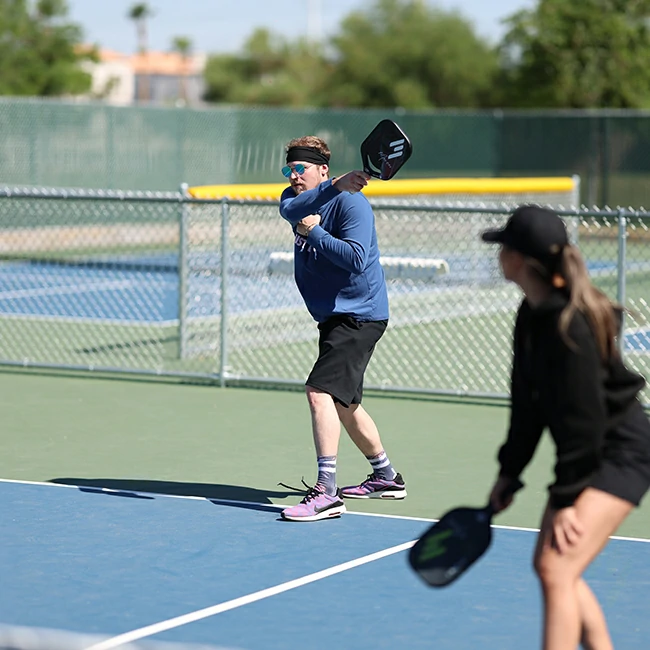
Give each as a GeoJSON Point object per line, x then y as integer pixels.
{"type": "Point", "coordinates": [276, 507]}
{"type": "Point", "coordinates": [90, 320]}
{"type": "Point", "coordinates": [213, 610]}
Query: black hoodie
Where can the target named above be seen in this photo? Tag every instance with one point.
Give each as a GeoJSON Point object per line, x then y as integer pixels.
{"type": "Point", "coordinates": [569, 389]}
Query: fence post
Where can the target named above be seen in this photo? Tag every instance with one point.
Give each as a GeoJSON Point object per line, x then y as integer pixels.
{"type": "Point", "coordinates": [182, 271]}
{"type": "Point", "coordinates": [620, 288]}
{"type": "Point", "coordinates": [499, 126]}
{"type": "Point", "coordinates": [573, 223]}
{"type": "Point", "coordinates": [109, 157]}
{"type": "Point", "coordinates": [225, 213]}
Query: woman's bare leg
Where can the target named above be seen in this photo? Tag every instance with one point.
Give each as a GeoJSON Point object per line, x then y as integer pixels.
{"type": "Point", "coordinates": [571, 611]}
{"type": "Point", "coordinates": [594, 634]}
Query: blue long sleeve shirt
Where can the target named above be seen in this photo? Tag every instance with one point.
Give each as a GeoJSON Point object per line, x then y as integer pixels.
{"type": "Point", "coordinates": [336, 267]}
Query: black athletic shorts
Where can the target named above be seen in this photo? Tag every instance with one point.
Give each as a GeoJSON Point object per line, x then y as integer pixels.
{"type": "Point", "coordinates": [345, 346]}
{"type": "Point", "coordinates": [625, 468]}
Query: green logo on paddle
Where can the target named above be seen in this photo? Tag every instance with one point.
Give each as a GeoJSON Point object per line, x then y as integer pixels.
{"type": "Point", "coordinates": [435, 546]}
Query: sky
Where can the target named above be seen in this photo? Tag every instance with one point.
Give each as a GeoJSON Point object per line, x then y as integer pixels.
{"type": "Point", "coordinates": [222, 26]}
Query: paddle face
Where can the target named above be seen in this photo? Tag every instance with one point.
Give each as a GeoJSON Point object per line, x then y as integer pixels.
{"type": "Point", "coordinates": [385, 150]}
{"type": "Point", "coordinates": [452, 545]}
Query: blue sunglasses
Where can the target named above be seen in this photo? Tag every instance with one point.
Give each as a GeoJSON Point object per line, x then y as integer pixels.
{"type": "Point", "coordinates": [299, 169]}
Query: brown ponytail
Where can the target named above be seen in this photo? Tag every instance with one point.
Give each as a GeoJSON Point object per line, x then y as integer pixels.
{"type": "Point", "coordinates": [591, 301]}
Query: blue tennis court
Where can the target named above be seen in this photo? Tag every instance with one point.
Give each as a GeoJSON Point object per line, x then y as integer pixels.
{"type": "Point", "coordinates": [136, 290]}
{"type": "Point", "coordinates": [638, 340]}
{"type": "Point", "coordinates": [127, 566]}
{"type": "Point", "coordinates": [145, 290]}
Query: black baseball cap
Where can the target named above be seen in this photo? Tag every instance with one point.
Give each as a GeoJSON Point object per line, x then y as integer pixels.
{"type": "Point", "coordinates": [535, 232]}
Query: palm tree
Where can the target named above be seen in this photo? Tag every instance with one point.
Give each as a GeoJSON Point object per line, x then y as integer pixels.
{"type": "Point", "coordinates": [183, 45]}
{"type": "Point", "coordinates": [139, 13]}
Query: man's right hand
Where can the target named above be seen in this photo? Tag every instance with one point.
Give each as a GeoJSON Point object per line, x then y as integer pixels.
{"type": "Point", "coordinates": [353, 181]}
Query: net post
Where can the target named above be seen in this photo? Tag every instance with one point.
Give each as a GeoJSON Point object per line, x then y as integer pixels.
{"type": "Point", "coordinates": [620, 285]}
{"type": "Point", "coordinates": [183, 219]}
{"type": "Point", "coordinates": [223, 320]}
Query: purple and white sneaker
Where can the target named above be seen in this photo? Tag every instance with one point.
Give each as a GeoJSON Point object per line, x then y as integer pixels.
{"type": "Point", "coordinates": [376, 488]}
{"type": "Point", "coordinates": [316, 505]}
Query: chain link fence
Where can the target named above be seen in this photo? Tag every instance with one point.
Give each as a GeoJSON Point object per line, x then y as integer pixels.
{"type": "Point", "coordinates": [158, 283]}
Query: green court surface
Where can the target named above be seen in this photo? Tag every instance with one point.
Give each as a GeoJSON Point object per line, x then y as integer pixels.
{"type": "Point", "coordinates": [239, 443]}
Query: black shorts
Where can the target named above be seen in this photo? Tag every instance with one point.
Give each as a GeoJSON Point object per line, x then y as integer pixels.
{"type": "Point", "coordinates": [345, 346]}
{"type": "Point", "coordinates": [625, 468]}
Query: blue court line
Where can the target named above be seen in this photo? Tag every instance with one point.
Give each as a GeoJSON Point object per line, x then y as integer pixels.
{"type": "Point", "coordinates": [108, 563]}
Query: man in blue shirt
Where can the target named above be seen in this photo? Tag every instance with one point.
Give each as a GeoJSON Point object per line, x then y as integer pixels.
{"type": "Point", "coordinates": [337, 271]}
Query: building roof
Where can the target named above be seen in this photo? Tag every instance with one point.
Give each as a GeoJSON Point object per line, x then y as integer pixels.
{"type": "Point", "coordinates": [159, 63]}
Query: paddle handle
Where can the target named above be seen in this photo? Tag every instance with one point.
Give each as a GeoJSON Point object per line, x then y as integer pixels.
{"type": "Point", "coordinates": [514, 487]}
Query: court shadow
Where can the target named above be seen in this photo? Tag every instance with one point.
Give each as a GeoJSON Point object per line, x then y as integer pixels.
{"type": "Point", "coordinates": [212, 491]}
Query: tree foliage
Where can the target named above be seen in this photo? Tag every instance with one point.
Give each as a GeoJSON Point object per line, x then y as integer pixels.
{"type": "Point", "coordinates": [560, 54]}
{"type": "Point", "coordinates": [404, 53]}
{"type": "Point", "coordinates": [40, 52]}
{"type": "Point", "coordinates": [397, 53]}
{"type": "Point", "coordinates": [578, 54]}
{"type": "Point", "coordinates": [183, 45]}
{"type": "Point", "coordinates": [139, 13]}
{"type": "Point", "coordinates": [269, 71]}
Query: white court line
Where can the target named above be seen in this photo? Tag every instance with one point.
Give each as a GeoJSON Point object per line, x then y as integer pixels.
{"type": "Point", "coordinates": [200, 614]}
{"type": "Point", "coordinates": [60, 291]}
{"type": "Point", "coordinates": [274, 506]}
{"type": "Point", "coordinates": [90, 320]}
{"type": "Point", "coordinates": [637, 330]}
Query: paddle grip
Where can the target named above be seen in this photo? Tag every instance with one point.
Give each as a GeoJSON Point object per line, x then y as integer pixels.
{"type": "Point", "coordinates": [513, 488]}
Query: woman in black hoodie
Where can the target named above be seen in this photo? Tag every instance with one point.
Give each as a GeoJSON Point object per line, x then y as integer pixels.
{"type": "Point", "coordinates": [568, 376]}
